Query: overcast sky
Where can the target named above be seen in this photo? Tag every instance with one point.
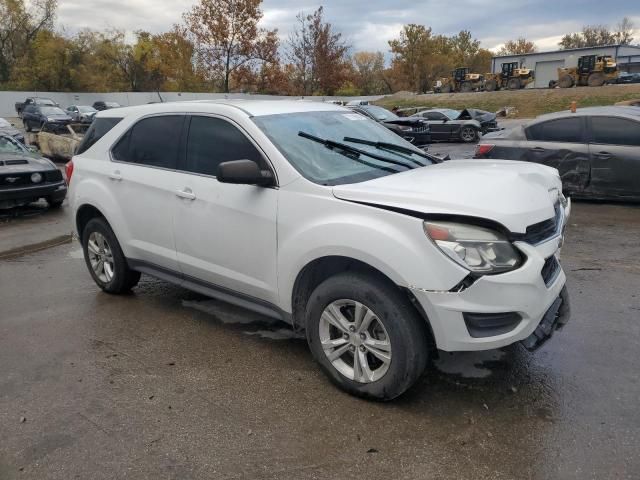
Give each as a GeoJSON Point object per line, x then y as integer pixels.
{"type": "Point", "coordinates": [369, 24]}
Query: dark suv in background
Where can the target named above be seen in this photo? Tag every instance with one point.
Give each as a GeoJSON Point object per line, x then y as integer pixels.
{"type": "Point", "coordinates": [596, 150]}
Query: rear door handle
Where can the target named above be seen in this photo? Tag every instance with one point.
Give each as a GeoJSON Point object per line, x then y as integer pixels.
{"type": "Point", "coordinates": [538, 149]}
{"type": "Point", "coordinates": [115, 175]}
{"type": "Point", "coordinates": [603, 154]}
{"type": "Point", "coordinates": [186, 193]}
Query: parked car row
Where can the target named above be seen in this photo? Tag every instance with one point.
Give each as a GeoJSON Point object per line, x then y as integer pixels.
{"type": "Point", "coordinates": [35, 111]}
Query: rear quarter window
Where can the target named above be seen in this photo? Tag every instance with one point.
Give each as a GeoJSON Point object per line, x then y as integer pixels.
{"type": "Point", "coordinates": [98, 129]}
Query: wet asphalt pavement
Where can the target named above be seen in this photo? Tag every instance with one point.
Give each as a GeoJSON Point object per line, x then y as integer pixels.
{"type": "Point", "coordinates": [167, 384]}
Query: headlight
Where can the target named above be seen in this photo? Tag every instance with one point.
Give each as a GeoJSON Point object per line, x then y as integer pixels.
{"type": "Point", "coordinates": [479, 249]}
{"type": "Point", "coordinates": [36, 177]}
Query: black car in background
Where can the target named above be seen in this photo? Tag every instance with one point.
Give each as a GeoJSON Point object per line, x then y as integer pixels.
{"type": "Point", "coordinates": [625, 77]}
{"type": "Point", "coordinates": [10, 129]}
{"type": "Point", "coordinates": [415, 130]}
{"type": "Point", "coordinates": [596, 150]}
{"type": "Point", "coordinates": [35, 116]}
{"type": "Point", "coordinates": [446, 126]}
{"type": "Point", "coordinates": [26, 177]}
{"type": "Point", "coordinates": [101, 105]}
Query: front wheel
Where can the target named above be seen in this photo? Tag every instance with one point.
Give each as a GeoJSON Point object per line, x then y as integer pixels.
{"type": "Point", "coordinates": [366, 335]}
{"type": "Point", "coordinates": [27, 126]}
{"type": "Point", "coordinates": [468, 134]}
{"type": "Point", "coordinates": [105, 260]}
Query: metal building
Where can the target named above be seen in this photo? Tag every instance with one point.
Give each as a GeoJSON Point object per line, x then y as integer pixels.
{"type": "Point", "coordinates": [546, 64]}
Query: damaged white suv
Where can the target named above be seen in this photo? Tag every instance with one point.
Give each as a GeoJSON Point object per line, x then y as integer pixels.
{"type": "Point", "coordinates": [315, 215]}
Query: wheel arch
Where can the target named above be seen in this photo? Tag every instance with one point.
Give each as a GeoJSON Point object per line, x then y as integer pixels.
{"type": "Point", "coordinates": [84, 214]}
{"type": "Point", "coordinates": [320, 269]}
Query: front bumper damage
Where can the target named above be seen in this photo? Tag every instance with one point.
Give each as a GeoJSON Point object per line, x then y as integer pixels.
{"type": "Point", "coordinates": [554, 319]}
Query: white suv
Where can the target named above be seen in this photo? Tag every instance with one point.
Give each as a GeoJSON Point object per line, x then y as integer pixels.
{"type": "Point", "coordinates": [313, 214]}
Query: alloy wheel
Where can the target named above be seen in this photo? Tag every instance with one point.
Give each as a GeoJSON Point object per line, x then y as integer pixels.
{"type": "Point", "coordinates": [468, 134]}
{"type": "Point", "coordinates": [100, 257]}
{"type": "Point", "coordinates": [355, 341]}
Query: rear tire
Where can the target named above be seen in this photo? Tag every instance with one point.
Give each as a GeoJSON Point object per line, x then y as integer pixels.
{"type": "Point", "coordinates": [514, 84]}
{"type": "Point", "coordinates": [54, 204]}
{"type": "Point", "coordinates": [105, 260]}
{"type": "Point", "coordinates": [566, 81]}
{"type": "Point", "coordinates": [389, 326]}
{"type": "Point", "coordinates": [466, 87]}
{"type": "Point", "coordinates": [27, 127]}
{"type": "Point", "coordinates": [446, 89]}
{"type": "Point", "coordinates": [596, 79]}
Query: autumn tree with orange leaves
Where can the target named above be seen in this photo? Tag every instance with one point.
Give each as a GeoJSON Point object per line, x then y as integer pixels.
{"type": "Point", "coordinates": [227, 38]}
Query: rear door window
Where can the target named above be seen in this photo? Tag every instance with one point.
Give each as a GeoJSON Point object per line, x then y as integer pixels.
{"type": "Point", "coordinates": [615, 131]}
{"type": "Point", "coordinates": [569, 130]}
{"type": "Point", "coordinates": [153, 141]}
{"type": "Point", "coordinates": [97, 130]}
{"type": "Point", "coordinates": [212, 141]}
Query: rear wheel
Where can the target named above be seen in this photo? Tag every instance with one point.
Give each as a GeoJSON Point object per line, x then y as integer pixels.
{"type": "Point", "coordinates": [446, 89]}
{"type": "Point", "coordinates": [466, 87]}
{"type": "Point", "coordinates": [54, 203]}
{"type": "Point", "coordinates": [468, 134]}
{"type": "Point", "coordinates": [514, 84]}
{"type": "Point", "coordinates": [366, 335]}
{"type": "Point", "coordinates": [491, 85]}
{"type": "Point", "coordinates": [596, 79]}
{"type": "Point", "coordinates": [565, 81]}
{"type": "Point", "coordinates": [105, 260]}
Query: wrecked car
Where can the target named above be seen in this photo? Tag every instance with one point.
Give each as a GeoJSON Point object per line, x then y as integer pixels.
{"type": "Point", "coordinates": [81, 113]}
{"type": "Point", "coordinates": [46, 102]}
{"type": "Point", "coordinates": [596, 150]}
{"type": "Point", "coordinates": [58, 141]}
{"type": "Point", "coordinates": [26, 177]}
{"type": "Point", "coordinates": [10, 129]}
{"type": "Point", "coordinates": [447, 126]}
{"type": "Point", "coordinates": [414, 130]}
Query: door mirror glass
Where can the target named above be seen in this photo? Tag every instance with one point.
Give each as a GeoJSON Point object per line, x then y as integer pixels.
{"type": "Point", "coordinates": [245, 172]}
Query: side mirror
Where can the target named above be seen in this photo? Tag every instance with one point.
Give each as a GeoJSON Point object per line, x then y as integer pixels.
{"type": "Point", "coordinates": [244, 172]}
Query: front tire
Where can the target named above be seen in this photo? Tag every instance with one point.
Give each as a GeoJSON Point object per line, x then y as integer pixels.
{"type": "Point", "coordinates": [469, 134]}
{"type": "Point", "coordinates": [27, 127]}
{"type": "Point", "coordinates": [366, 335]}
{"type": "Point", "coordinates": [105, 260]}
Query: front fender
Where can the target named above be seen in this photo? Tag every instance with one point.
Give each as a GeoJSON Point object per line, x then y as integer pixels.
{"type": "Point", "coordinates": [392, 243]}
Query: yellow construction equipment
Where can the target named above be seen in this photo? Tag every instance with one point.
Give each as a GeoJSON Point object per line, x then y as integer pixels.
{"type": "Point", "coordinates": [462, 80]}
{"type": "Point", "coordinates": [512, 77]}
{"type": "Point", "coordinates": [592, 71]}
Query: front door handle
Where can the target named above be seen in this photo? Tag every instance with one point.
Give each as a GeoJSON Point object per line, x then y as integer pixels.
{"type": "Point", "coordinates": [538, 149]}
{"type": "Point", "coordinates": [115, 175]}
{"type": "Point", "coordinates": [186, 193]}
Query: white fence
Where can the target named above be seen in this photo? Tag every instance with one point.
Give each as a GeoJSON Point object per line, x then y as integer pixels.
{"type": "Point", "coordinates": [9, 99]}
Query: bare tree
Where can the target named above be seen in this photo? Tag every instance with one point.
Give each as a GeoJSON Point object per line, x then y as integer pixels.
{"type": "Point", "coordinates": [517, 47]}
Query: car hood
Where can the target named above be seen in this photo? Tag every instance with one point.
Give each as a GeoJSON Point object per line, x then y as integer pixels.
{"type": "Point", "coordinates": [514, 194]}
{"type": "Point", "coordinates": [11, 131]}
{"type": "Point", "coordinates": [481, 116]}
{"type": "Point", "coordinates": [32, 164]}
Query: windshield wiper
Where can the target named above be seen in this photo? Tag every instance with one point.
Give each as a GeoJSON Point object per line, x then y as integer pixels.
{"type": "Point", "coordinates": [395, 148]}
{"type": "Point", "coordinates": [355, 152]}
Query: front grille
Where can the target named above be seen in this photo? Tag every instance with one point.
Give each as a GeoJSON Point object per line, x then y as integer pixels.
{"type": "Point", "coordinates": [14, 180]}
{"type": "Point", "coordinates": [541, 231]}
{"type": "Point", "coordinates": [550, 270]}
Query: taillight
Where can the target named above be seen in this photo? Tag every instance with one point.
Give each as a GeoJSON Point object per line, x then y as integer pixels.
{"type": "Point", "coordinates": [68, 170]}
{"type": "Point", "coordinates": [483, 149]}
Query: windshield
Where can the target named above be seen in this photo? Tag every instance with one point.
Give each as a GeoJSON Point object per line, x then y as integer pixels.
{"type": "Point", "coordinates": [380, 113]}
{"type": "Point", "coordinates": [52, 111]}
{"type": "Point", "coordinates": [86, 109]}
{"type": "Point", "coordinates": [452, 114]}
{"type": "Point", "coordinates": [9, 145]}
{"type": "Point", "coordinates": [331, 167]}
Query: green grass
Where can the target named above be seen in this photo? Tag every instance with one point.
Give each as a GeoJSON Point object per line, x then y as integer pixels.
{"type": "Point", "coordinates": [528, 103]}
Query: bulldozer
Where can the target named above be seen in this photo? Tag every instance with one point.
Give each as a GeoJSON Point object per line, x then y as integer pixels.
{"type": "Point", "coordinates": [512, 77]}
{"type": "Point", "coordinates": [592, 71]}
{"type": "Point", "coordinates": [462, 80]}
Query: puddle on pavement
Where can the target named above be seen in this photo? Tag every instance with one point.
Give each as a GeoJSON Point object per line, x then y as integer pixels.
{"type": "Point", "coordinates": [264, 327]}
{"type": "Point", "coordinates": [468, 364]}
